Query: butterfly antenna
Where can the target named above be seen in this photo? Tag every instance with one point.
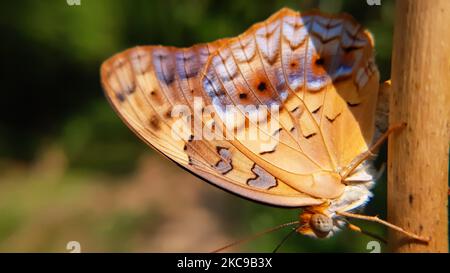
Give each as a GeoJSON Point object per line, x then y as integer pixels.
{"type": "Point", "coordinates": [284, 240]}
{"type": "Point", "coordinates": [256, 235]}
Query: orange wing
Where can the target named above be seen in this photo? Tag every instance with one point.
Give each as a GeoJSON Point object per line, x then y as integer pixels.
{"type": "Point", "coordinates": [317, 69]}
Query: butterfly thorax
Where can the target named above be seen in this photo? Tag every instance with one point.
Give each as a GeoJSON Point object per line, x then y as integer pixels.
{"type": "Point", "coordinates": [323, 220]}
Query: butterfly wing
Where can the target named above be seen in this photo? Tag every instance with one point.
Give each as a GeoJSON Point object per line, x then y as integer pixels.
{"type": "Point", "coordinates": [309, 66]}
{"type": "Point", "coordinates": [320, 71]}
{"type": "Point", "coordinates": [144, 84]}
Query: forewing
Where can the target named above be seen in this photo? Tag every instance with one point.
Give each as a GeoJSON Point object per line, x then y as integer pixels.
{"type": "Point", "coordinates": [145, 84]}
{"type": "Point", "coordinates": [319, 70]}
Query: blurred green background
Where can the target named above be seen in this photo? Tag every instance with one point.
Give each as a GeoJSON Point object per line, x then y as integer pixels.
{"type": "Point", "coordinates": [70, 170]}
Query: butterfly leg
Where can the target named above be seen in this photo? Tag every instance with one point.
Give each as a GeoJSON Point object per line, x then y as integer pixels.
{"type": "Point", "coordinates": [370, 152]}
{"type": "Point", "coordinates": [387, 224]}
{"type": "Point", "coordinates": [353, 227]}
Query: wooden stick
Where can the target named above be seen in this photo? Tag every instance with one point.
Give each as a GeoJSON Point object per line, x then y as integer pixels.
{"type": "Point", "coordinates": [380, 221]}
{"type": "Point", "coordinates": [420, 96]}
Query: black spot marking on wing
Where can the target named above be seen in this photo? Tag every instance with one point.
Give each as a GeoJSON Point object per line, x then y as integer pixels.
{"type": "Point", "coordinates": [331, 120]}
{"type": "Point", "coordinates": [154, 122]}
{"type": "Point", "coordinates": [310, 135]}
{"type": "Point", "coordinates": [353, 104]}
{"type": "Point", "coordinates": [262, 86]}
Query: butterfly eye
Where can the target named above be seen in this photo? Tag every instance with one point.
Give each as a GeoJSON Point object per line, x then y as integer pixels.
{"type": "Point", "coordinates": [321, 224]}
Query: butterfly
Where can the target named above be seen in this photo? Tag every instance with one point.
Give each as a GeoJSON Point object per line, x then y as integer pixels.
{"type": "Point", "coordinates": [290, 108]}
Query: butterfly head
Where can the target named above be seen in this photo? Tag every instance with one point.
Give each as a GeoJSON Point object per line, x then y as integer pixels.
{"type": "Point", "coordinates": [316, 222]}
{"type": "Point", "coordinates": [321, 224]}
{"type": "Point", "coordinates": [323, 221]}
